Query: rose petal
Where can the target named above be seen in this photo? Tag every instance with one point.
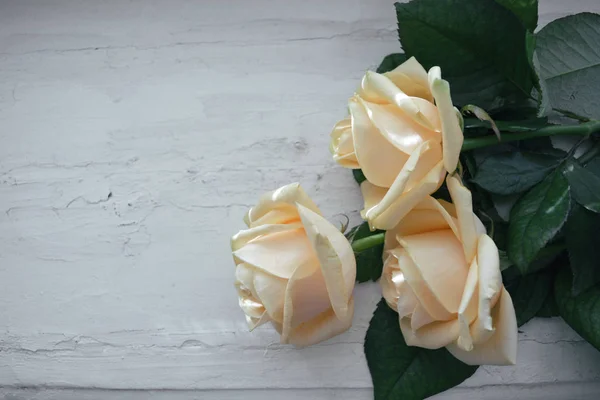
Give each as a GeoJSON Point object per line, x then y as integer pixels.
{"type": "Point", "coordinates": [271, 292]}
{"type": "Point", "coordinates": [241, 238]}
{"type": "Point", "coordinates": [278, 254]}
{"type": "Point", "coordinates": [404, 202]}
{"type": "Point", "coordinates": [248, 300]}
{"type": "Point", "coordinates": [428, 215]}
{"type": "Point", "coordinates": [501, 348]}
{"type": "Point", "coordinates": [420, 287]}
{"type": "Point", "coordinates": [467, 311]}
{"type": "Point", "coordinates": [490, 287]}
{"type": "Point", "coordinates": [305, 297]}
{"type": "Point", "coordinates": [379, 160]}
{"type": "Point", "coordinates": [280, 199]}
{"type": "Point", "coordinates": [431, 336]}
{"type": "Point", "coordinates": [256, 322]}
{"type": "Point", "coordinates": [428, 159]}
{"type": "Point", "coordinates": [420, 317]}
{"type": "Point", "coordinates": [451, 133]}
{"type": "Point", "coordinates": [342, 144]}
{"type": "Point", "coordinates": [416, 221]}
{"type": "Point", "coordinates": [336, 258]}
{"type": "Point", "coordinates": [401, 197]}
{"type": "Point", "coordinates": [322, 327]}
{"type": "Point", "coordinates": [396, 290]}
{"type": "Point", "coordinates": [411, 78]}
{"type": "Point", "coordinates": [440, 261]}
{"type": "Point", "coordinates": [244, 280]}
{"type": "Point", "coordinates": [407, 300]}
{"type": "Point", "coordinates": [461, 197]}
{"type": "Point", "coordinates": [400, 131]}
{"type": "Point", "coordinates": [388, 285]}
{"type": "Point", "coordinates": [372, 195]}
{"type": "Point", "coordinates": [382, 90]}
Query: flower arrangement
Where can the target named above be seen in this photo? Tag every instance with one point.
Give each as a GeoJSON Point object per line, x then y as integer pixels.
{"type": "Point", "coordinates": [480, 213]}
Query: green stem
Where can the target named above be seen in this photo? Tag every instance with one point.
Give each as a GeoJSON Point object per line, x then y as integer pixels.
{"type": "Point", "coordinates": [368, 242]}
{"type": "Point", "coordinates": [586, 128]}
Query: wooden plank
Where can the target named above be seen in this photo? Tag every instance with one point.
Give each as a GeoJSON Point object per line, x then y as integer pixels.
{"type": "Point", "coordinates": [573, 391]}
{"type": "Point", "coordinates": [134, 136]}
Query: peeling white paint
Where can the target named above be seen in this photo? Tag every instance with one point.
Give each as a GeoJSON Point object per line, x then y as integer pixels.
{"type": "Point", "coordinates": [133, 138]}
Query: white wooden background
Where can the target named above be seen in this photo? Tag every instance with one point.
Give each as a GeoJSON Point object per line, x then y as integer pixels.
{"type": "Point", "coordinates": [133, 137]}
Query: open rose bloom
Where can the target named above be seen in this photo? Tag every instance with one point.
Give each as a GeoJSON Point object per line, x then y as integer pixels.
{"type": "Point", "coordinates": [294, 269]}
{"type": "Point", "coordinates": [404, 133]}
{"type": "Point", "coordinates": [442, 275]}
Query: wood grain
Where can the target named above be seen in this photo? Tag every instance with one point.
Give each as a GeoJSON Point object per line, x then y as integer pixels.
{"type": "Point", "coordinates": [134, 135]}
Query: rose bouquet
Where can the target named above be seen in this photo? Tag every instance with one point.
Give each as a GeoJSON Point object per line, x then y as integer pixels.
{"type": "Point", "coordinates": [481, 194]}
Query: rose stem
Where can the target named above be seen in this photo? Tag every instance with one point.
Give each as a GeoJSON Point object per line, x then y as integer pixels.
{"type": "Point", "coordinates": [368, 242]}
{"type": "Point", "coordinates": [586, 128]}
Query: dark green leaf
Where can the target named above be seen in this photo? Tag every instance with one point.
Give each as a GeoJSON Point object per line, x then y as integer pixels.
{"type": "Point", "coordinates": [528, 294]}
{"type": "Point", "coordinates": [569, 54]}
{"type": "Point", "coordinates": [539, 83]}
{"type": "Point", "coordinates": [359, 177]}
{"type": "Point", "coordinates": [549, 309]}
{"type": "Point", "coordinates": [594, 166]}
{"type": "Point", "coordinates": [582, 234]}
{"type": "Point", "coordinates": [479, 45]}
{"type": "Point", "coordinates": [505, 262]}
{"type": "Point", "coordinates": [390, 62]}
{"type": "Point", "coordinates": [536, 218]}
{"type": "Point", "coordinates": [513, 172]}
{"type": "Point", "coordinates": [585, 186]}
{"type": "Point", "coordinates": [527, 125]}
{"type": "Point", "coordinates": [543, 99]}
{"type": "Point", "coordinates": [369, 263]}
{"type": "Point", "coordinates": [547, 256]}
{"type": "Point", "coordinates": [581, 312]}
{"type": "Point", "coordinates": [405, 372]}
{"type": "Point", "coordinates": [526, 10]}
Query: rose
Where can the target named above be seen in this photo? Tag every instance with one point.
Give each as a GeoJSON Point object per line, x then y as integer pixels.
{"type": "Point", "coordinates": [294, 269]}
{"type": "Point", "coordinates": [403, 131]}
{"type": "Point", "coordinates": [442, 275]}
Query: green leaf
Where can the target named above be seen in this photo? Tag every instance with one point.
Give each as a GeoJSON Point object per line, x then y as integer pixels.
{"type": "Point", "coordinates": [369, 263]}
{"type": "Point", "coordinates": [582, 234]}
{"type": "Point", "coordinates": [569, 54]}
{"type": "Point", "coordinates": [390, 62]}
{"type": "Point", "coordinates": [479, 45]}
{"type": "Point", "coordinates": [549, 309]}
{"type": "Point", "coordinates": [359, 177]}
{"type": "Point", "coordinates": [539, 83]}
{"type": "Point", "coordinates": [594, 165]}
{"type": "Point", "coordinates": [585, 186]}
{"type": "Point", "coordinates": [405, 372]}
{"type": "Point", "coordinates": [513, 172]}
{"type": "Point", "coordinates": [526, 10]}
{"type": "Point", "coordinates": [547, 256]}
{"type": "Point", "coordinates": [505, 262]}
{"type": "Point", "coordinates": [581, 312]}
{"type": "Point", "coordinates": [526, 125]}
{"type": "Point", "coordinates": [536, 218]}
{"type": "Point", "coordinates": [528, 294]}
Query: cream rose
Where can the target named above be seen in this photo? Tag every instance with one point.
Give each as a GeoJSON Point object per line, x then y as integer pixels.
{"type": "Point", "coordinates": [442, 275]}
{"type": "Point", "coordinates": [404, 133]}
{"type": "Point", "coordinates": [294, 269]}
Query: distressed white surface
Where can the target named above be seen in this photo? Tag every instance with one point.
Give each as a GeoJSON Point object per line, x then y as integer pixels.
{"type": "Point", "coordinates": [133, 136]}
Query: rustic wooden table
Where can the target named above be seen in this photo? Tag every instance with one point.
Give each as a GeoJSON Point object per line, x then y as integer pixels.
{"type": "Point", "coordinates": [133, 137]}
